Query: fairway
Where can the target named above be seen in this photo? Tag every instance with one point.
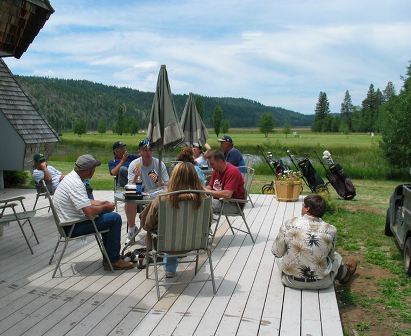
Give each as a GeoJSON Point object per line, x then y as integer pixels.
{"type": "Point", "coordinates": [244, 138]}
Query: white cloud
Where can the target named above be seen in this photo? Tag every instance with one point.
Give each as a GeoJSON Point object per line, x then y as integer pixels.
{"type": "Point", "coordinates": [279, 53]}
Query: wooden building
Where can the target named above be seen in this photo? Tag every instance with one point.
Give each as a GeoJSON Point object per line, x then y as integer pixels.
{"type": "Point", "coordinates": [23, 130]}
{"type": "Point", "coordinates": [20, 22]}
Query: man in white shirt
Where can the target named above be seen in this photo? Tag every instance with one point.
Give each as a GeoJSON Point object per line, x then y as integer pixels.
{"type": "Point", "coordinates": [72, 203]}
{"type": "Point", "coordinates": [146, 167]}
{"type": "Point", "coordinates": [43, 171]}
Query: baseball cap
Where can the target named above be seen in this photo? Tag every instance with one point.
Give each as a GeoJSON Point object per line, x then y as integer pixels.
{"type": "Point", "coordinates": [118, 144]}
{"type": "Point", "coordinates": [144, 143]}
{"type": "Point", "coordinates": [225, 138]}
{"type": "Point", "coordinates": [38, 157]}
{"type": "Point", "coordinates": [85, 162]}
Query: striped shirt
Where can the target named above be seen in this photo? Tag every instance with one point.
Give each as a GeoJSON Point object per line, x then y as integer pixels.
{"type": "Point", "coordinates": [70, 198]}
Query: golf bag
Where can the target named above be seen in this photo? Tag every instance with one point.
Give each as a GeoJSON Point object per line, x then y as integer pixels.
{"type": "Point", "coordinates": [335, 174]}
{"type": "Point", "coordinates": [309, 174]}
{"type": "Point", "coordinates": [277, 166]}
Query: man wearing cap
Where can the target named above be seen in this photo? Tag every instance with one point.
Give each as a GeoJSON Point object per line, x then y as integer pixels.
{"type": "Point", "coordinates": [231, 154]}
{"type": "Point", "coordinates": [43, 171]}
{"type": "Point", "coordinates": [119, 165]}
{"type": "Point", "coordinates": [148, 169]}
{"type": "Point", "coordinates": [71, 203]}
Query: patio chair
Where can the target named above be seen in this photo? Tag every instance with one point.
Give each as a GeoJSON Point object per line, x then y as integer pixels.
{"type": "Point", "coordinates": [14, 215]}
{"type": "Point", "coordinates": [231, 207]}
{"type": "Point", "coordinates": [181, 232]}
{"type": "Point", "coordinates": [248, 159]}
{"type": "Point", "coordinates": [248, 176]}
{"type": "Point", "coordinates": [65, 238]}
{"type": "Point", "coordinates": [41, 190]}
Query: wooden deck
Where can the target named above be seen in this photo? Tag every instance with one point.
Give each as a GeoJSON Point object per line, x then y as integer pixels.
{"type": "Point", "coordinates": [250, 298]}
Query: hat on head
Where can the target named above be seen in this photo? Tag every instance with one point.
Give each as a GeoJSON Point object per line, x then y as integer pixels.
{"type": "Point", "coordinates": [85, 162]}
{"type": "Point", "coordinates": [144, 143]}
{"type": "Point", "coordinates": [226, 138]}
{"type": "Point", "coordinates": [38, 157]}
{"type": "Point", "coordinates": [118, 144]}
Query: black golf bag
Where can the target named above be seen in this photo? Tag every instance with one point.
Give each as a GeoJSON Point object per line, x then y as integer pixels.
{"type": "Point", "coordinates": [277, 166]}
{"type": "Point", "coordinates": [310, 175]}
{"type": "Point", "coordinates": [335, 174]}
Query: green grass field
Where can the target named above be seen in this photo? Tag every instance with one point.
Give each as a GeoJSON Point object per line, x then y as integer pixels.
{"type": "Point", "coordinates": [359, 154]}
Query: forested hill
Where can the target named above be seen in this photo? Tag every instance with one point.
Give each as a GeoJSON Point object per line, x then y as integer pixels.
{"type": "Point", "coordinates": [63, 101]}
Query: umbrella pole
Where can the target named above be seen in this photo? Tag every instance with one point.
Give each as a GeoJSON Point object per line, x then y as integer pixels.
{"type": "Point", "coordinates": [160, 173]}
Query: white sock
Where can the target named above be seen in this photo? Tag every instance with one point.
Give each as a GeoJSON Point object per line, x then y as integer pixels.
{"type": "Point", "coordinates": [131, 231]}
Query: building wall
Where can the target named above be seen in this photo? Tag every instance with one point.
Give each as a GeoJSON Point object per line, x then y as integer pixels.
{"type": "Point", "coordinates": [12, 147]}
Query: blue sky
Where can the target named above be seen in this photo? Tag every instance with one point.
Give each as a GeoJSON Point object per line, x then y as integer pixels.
{"type": "Point", "coordinates": [280, 53]}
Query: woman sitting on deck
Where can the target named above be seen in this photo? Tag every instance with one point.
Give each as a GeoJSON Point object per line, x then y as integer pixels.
{"type": "Point", "coordinates": [183, 177]}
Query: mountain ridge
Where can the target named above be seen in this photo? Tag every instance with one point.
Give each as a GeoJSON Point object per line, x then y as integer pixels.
{"type": "Point", "coordinates": [62, 101]}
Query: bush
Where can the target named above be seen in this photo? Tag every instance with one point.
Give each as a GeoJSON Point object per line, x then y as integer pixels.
{"type": "Point", "coordinates": [14, 178]}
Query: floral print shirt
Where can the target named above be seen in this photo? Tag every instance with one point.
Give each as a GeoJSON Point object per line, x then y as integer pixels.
{"type": "Point", "coordinates": [305, 247]}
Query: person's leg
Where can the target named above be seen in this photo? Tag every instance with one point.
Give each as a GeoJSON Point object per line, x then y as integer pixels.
{"type": "Point", "coordinates": [216, 205]}
{"type": "Point", "coordinates": [345, 270]}
{"type": "Point", "coordinates": [130, 209]}
{"type": "Point", "coordinates": [170, 265]}
{"type": "Point", "coordinates": [122, 176]}
{"type": "Point", "coordinates": [111, 239]}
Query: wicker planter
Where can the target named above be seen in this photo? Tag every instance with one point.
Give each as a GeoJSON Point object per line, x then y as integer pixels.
{"type": "Point", "coordinates": [287, 190]}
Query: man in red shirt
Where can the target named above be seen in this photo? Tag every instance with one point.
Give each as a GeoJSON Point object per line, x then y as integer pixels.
{"type": "Point", "coordinates": [226, 182]}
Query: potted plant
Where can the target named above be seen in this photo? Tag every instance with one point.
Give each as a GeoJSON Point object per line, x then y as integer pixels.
{"type": "Point", "coordinates": [288, 186]}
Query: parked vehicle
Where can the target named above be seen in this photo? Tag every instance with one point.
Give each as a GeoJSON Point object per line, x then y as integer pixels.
{"type": "Point", "coordinates": [398, 221]}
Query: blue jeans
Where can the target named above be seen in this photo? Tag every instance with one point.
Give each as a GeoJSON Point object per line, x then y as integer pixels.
{"type": "Point", "coordinates": [111, 239]}
{"type": "Point", "coordinates": [170, 264]}
{"type": "Point", "coordinates": [122, 177]}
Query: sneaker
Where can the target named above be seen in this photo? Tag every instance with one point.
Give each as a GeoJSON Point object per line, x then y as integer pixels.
{"type": "Point", "coordinates": [118, 265]}
{"type": "Point", "coordinates": [170, 274]}
{"type": "Point", "coordinates": [351, 266]}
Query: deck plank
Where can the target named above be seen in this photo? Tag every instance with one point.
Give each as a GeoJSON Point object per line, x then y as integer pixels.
{"type": "Point", "coordinates": [250, 297]}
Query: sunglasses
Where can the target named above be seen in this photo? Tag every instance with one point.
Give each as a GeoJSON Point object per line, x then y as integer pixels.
{"type": "Point", "coordinates": [144, 143]}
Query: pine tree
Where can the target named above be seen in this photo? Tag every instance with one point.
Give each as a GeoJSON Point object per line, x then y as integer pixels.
{"type": "Point", "coordinates": [346, 111]}
{"type": "Point", "coordinates": [396, 128]}
{"type": "Point", "coordinates": [388, 92]}
{"type": "Point", "coordinates": [322, 110]}
{"type": "Point", "coordinates": [369, 111]}
{"type": "Point", "coordinates": [217, 119]}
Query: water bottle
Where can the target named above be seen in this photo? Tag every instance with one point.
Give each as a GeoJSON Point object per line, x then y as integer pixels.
{"type": "Point", "coordinates": [139, 186]}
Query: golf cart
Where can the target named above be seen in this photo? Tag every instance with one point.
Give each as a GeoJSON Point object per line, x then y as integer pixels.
{"type": "Point", "coordinates": [398, 221]}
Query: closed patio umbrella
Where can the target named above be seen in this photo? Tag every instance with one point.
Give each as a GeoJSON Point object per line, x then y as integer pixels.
{"type": "Point", "coordinates": [164, 130]}
{"type": "Point", "coordinates": [195, 132]}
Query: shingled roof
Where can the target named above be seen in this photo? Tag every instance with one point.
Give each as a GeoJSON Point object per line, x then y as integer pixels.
{"type": "Point", "coordinates": [20, 112]}
{"type": "Point", "coordinates": [20, 22]}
